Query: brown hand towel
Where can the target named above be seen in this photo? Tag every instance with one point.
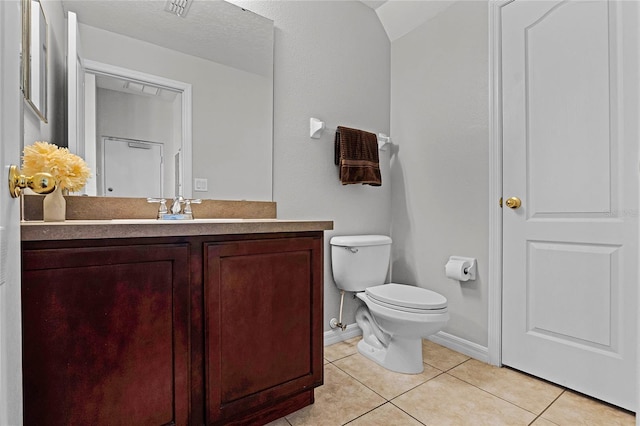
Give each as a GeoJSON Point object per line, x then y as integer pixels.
{"type": "Point", "coordinates": [356, 155]}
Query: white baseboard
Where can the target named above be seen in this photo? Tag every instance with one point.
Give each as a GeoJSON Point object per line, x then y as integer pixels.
{"type": "Point", "coordinates": [463, 346]}
{"type": "Point", "coordinates": [447, 340]}
{"type": "Point", "coordinates": [337, 335]}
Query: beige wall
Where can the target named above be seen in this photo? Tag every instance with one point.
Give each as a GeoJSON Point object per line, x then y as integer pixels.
{"type": "Point", "coordinates": [440, 187]}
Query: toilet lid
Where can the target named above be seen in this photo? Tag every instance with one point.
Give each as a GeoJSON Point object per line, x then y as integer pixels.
{"type": "Point", "coordinates": [407, 296]}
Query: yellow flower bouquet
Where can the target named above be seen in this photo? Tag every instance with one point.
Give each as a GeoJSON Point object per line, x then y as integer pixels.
{"type": "Point", "coordinates": [70, 171]}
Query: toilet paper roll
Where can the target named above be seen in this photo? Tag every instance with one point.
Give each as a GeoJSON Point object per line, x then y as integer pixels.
{"type": "Point", "coordinates": [456, 269]}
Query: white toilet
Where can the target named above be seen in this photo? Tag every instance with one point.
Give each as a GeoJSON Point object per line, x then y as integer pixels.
{"type": "Point", "coordinates": [396, 316]}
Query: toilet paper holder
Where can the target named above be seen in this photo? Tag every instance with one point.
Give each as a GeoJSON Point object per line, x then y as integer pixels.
{"type": "Point", "coordinates": [469, 268]}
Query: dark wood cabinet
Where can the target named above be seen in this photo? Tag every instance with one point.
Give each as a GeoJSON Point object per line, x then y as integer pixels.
{"type": "Point", "coordinates": [261, 304]}
{"type": "Point", "coordinates": [105, 335]}
{"type": "Point", "coordinates": [171, 331]}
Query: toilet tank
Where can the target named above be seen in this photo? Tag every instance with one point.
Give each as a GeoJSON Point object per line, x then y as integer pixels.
{"type": "Point", "coordinates": [360, 261]}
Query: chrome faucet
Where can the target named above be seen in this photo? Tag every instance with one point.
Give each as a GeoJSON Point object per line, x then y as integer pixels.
{"type": "Point", "coordinates": [176, 212]}
{"type": "Point", "coordinates": [176, 207]}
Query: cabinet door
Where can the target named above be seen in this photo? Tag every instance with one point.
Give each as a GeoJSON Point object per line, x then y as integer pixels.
{"type": "Point", "coordinates": [263, 310]}
{"type": "Point", "coordinates": [105, 335]}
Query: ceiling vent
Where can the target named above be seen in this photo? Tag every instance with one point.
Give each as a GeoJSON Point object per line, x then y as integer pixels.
{"type": "Point", "coordinates": [178, 7]}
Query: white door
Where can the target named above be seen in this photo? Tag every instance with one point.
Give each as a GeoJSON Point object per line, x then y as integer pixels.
{"type": "Point", "coordinates": [132, 168]}
{"type": "Point", "coordinates": [75, 88]}
{"type": "Point", "coordinates": [10, 145]}
{"type": "Point", "coordinates": [570, 134]}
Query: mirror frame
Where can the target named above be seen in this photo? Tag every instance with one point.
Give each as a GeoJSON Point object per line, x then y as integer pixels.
{"type": "Point", "coordinates": [27, 72]}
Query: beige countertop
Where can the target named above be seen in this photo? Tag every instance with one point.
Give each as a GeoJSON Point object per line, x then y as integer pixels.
{"type": "Point", "coordinates": [140, 228]}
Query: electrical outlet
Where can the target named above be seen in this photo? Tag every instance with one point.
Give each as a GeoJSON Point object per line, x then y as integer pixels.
{"type": "Point", "coordinates": [200, 184]}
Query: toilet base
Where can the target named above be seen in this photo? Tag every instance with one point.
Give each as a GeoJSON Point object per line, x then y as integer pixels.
{"type": "Point", "coordinates": [402, 355]}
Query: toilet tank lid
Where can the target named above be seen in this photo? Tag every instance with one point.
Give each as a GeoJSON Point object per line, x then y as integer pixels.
{"type": "Point", "coordinates": [360, 240]}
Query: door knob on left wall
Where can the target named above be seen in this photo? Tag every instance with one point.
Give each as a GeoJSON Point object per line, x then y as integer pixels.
{"type": "Point", "coordinates": [40, 183]}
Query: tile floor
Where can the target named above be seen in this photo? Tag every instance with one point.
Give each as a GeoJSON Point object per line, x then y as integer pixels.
{"type": "Point", "coordinates": [453, 390]}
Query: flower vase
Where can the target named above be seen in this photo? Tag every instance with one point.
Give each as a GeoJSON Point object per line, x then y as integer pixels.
{"type": "Point", "coordinates": [54, 206]}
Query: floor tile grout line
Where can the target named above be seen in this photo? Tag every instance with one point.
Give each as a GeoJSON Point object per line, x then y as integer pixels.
{"type": "Point", "coordinates": [408, 390]}
{"type": "Point", "coordinates": [499, 397]}
{"type": "Point", "coordinates": [549, 406]}
{"type": "Point", "coordinates": [363, 384]}
{"type": "Point", "coordinates": [413, 388]}
{"type": "Point", "coordinates": [364, 414]}
{"type": "Point", "coordinates": [511, 402]}
{"type": "Point", "coordinates": [450, 368]}
{"type": "Point", "coordinates": [391, 402]}
{"type": "Point", "coordinates": [338, 359]}
{"type": "Point", "coordinates": [382, 396]}
{"type": "Point", "coordinates": [359, 381]}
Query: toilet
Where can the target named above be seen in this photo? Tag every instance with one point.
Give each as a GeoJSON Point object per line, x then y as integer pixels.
{"type": "Point", "coordinates": [395, 316]}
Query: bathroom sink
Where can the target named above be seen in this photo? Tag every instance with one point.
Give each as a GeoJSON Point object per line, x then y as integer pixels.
{"type": "Point", "coordinates": [186, 221]}
{"type": "Point", "coordinates": [152, 221]}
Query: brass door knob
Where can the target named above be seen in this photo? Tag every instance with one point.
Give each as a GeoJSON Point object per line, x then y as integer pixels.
{"type": "Point", "coordinates": [513, 202]}
{"type": "Point", "coordinates": [40, 183]}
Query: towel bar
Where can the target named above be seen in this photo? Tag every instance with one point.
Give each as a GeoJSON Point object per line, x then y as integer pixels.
{"type": "Point", "coordinates": [316, 127]}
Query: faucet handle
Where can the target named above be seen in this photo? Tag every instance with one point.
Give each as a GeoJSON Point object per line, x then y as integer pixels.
{"type": "Point", "coordinates": [187, 204]}
{"type": "Point", "coordinates": [162, 209]}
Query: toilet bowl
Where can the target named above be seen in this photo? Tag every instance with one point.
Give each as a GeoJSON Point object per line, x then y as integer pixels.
{"type": "Point", "coordinates": [395, 317]}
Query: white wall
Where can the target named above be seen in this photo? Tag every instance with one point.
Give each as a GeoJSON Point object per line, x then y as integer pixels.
{"type": "Point", "coordinates": [331, 62]}
{"type": "Point", "coordinates": [440, 187]}
{"type": "Point", "coordinates": [231, 120]}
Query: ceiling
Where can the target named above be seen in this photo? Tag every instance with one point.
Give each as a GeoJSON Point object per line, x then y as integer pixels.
{"type": "Point", "coordinates": [374, 4]}
{"type": "Point", "coordinates": [206, 33]}
{"type": "Point", "coordinates": [213, 30]}
{"type": "Point", "coordinates": [399, 17]}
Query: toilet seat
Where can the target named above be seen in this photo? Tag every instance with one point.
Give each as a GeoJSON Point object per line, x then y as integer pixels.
{"type": "Point", "coordinates": [407, 298]}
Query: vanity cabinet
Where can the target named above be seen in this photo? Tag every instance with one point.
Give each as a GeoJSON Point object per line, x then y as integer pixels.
{"type": "Point", "coordinates": [105, 335]}
{"type": "Point", "coordinates": [263, 310]}
{"type": "Point", "coordinates": [171, 331]}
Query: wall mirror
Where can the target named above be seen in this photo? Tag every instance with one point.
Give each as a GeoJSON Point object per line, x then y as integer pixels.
{"type": "Point", "coordinates": [192, 86]}
{"type": "Point", "coordinates": [34, 57]}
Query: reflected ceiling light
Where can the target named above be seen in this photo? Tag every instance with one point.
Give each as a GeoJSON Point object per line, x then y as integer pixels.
{"type": "Point", "coordinates": [143, 88]}
{"type": "Point", "coordinates": [133, 86]}
{"type": "Point", "coordinates": [178, 7]}
{"type": "Point", "coordinates": [150, 90]}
